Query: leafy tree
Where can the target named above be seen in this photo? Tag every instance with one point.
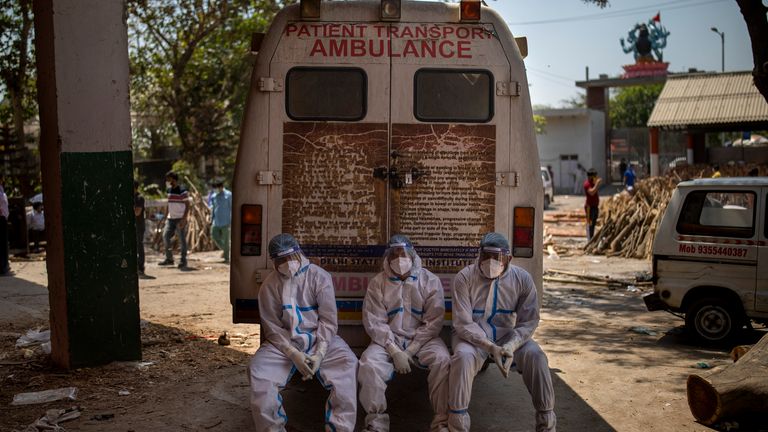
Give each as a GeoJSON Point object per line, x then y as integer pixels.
{"type": "Point", "coordinates": [577, 101]}
{"type": "Point", "coordinates": [755, 14]}
{"type": "Point", "coordinates": [17, 65]}
{"type": "Point", "coordinates": [632, 106]}
{"type": "Point", "coordinates": [190, 68]}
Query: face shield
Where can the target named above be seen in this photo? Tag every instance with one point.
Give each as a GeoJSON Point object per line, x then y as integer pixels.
{"type": "Point", "coordinates": [494, 255]}
{"type": "Point", "coordinates": [286, 254]}
{"type": "Point", "coordinates": [399, 257]}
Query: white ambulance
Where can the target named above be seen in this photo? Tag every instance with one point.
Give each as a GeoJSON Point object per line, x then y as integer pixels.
{"type": "Point", "coordinates": [371, 118]}
{"type": "Point", "coordinates": [710, 256]}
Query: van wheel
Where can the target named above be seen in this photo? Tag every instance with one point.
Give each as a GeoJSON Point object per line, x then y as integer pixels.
{"type": "Point", "coordinates": [546, 202]}
{"type": "Point", "coordinates": [714, 320]}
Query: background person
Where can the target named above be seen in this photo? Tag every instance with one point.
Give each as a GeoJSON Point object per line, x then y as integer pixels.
{"type": "Point", "coordinates": [220, 202]}
{"type": "Point", "coordinates": [297, 306]}
{"type": "Point", "coordinates": [36, 226]}
{"type": "Point", "coordinates": [176, 220]}
{"type": "Point", "coordinates": [629, 178]}
{"type": "Point", "coordinates": [403, 313]}
{"type": "Point", "coordinates": [138, 212]}
{"type": "Point", "coordinates": [716, 169]}
{"type": "Point", "coordinates": [5, 268]}
{"type": "Point", "coordinates": [592, 203]}
{"type": "Point", "coordinates": [495, 312]}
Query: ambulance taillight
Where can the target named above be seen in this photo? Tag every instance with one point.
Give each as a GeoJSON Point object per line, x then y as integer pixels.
{"type": "Point", "coordinates": [250, 230]}
{"type": "Point", "coordinates": [470, 10]}
{"type": "Point", "coordinates": [390, 10]}
{"type": "Point", "coordinates": [522, 232]}
{"type": "Point", "coordinates": [310, 9]}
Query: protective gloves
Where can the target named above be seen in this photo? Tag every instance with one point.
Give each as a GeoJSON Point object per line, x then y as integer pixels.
{"type": "Point", "coordinates": [316, 359]}
{"type": "Point", "coordinates": [502, 362]}
{"type": "Point", "coordinates": [411, 351]}
{"type": "Point", "coordinates": [399, 358]}
{"type": "Point", "coordinates": [510, 347]}
{"type": "Point", "coordinates": [300, 360]}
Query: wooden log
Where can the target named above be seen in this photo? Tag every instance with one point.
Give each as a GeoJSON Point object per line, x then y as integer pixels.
{"type": "Point", "coordinates": [738, 390]}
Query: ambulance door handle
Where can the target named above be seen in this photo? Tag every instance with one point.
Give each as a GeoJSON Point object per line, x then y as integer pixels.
{"type": "Point", "coordinates": [383, 173]}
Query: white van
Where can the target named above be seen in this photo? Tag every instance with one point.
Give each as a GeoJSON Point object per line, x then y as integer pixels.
{"type": "Point", "coordinates": [370, 118]}
{"type": "Point", "coordinates": [710, 256]}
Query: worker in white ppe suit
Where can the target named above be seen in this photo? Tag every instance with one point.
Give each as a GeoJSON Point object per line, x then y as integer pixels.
{"type": "Point", "coordinates": [298, 317]}
{"type": "Point", "coordinates": [495, 312]}
{"type": "Point", "coordinates": [403, 313]}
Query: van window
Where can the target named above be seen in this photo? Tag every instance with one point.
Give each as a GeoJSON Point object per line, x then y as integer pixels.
{"type": "Point", "coordinates": [719, 214]}
{"type": "Point", "coordinates": [326, 94]}
{"type": "Point", "coordinates": [449, 95]}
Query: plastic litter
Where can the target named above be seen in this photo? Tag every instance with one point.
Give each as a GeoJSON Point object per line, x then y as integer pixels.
{"type": "Point", "coordinates": [33, 338]}
{"type": "Point", "coordinates": [50, 421]}
{"type": "Point", "coordinates": [45, 396]}
{"type": "Point", "coordinates": [643, 330]}
{"type": "Point", "coordinates": [140, 365]}
{"type": "Point", "coordinates": [703, 365]}
{"type": "Point", "coordinates": [632, 288]}
{"type": "Point", "coordinates": [123, 393]}
{"type": "Point", "coordinates": [552, 253]}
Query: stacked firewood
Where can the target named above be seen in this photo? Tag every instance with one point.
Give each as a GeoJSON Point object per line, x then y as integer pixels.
{"type": "Point", "coordinates": [627, 223]}
{"type": "Point", "coordinates": [198, 225]}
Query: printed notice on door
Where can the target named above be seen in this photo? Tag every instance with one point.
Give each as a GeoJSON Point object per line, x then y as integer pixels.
{"type": "Point", "coordinates": [331, 201]}
{"type": "Point", "coordinates": [449, 203]}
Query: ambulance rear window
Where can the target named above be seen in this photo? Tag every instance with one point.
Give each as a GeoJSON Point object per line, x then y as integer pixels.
{"type": "Point", "coordinates": [718, 214]}
{"type": "Point", "coordinates": [326, 94]}
{"type": "Point", "coordinates": [453, 95]}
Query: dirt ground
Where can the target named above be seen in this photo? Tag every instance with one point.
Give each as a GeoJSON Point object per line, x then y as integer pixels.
{"type": "Point", "coordinates": [616, 367]}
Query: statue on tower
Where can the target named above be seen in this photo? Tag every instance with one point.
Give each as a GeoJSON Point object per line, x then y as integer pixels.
{"type": "Point", "coordinates": [646, 41]}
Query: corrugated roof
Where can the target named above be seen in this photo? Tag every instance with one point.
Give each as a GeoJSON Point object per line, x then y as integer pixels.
{"type": "Point", "coordinates": [709, 99]}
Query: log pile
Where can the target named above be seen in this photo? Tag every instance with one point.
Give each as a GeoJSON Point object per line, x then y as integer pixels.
{"type": "Point", "coordinates": [627, 223]}
{"type": "Point", "coordinates": [738, 391]}
{"type": "Point", "coordinates": [198, 225]}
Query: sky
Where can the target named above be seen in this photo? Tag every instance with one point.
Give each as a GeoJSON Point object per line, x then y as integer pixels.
{"type": "Point", "coordinates": [566, 36]}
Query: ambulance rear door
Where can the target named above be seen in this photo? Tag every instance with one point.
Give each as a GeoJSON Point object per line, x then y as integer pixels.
{"type": "Point", "coordinates": [330, 127]}
{"type": "Point", "coordinates": [450, 138]}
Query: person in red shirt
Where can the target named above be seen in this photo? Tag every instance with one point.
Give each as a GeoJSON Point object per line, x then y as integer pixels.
{"type": "Point", "coordinates": [592, 203]}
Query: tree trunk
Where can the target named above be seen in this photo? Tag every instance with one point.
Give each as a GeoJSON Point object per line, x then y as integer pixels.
{"type": "Point", "coordinates": [19, 84]}
{"type": "Point", "coordinates": [738, 390]}
{"type": "Point", "coordinates": [754, 13]}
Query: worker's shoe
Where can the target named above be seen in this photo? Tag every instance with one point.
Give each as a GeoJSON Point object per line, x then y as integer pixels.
{"type": "Point", "coordinates": [182, 265]}
{"type": "Point", "coordinates": [546, 421]}
{"type": "Point", "coordinates": [165, 262]}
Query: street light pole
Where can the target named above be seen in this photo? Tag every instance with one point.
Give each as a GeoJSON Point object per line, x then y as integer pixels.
{"type": "Point", "coordinates": [722, 45]}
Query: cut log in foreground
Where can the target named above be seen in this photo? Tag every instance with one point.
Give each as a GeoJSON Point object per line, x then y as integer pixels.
{"type": "Point", "coordinates": [738, 390]}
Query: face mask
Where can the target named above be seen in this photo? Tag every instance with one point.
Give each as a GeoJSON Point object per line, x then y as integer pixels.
{"type": "Point", "coordinates": [492, 268]}
{"type": "Point", "coordinates": [289, 268]}
{"type": "Point", "coordinates": [401, 266]}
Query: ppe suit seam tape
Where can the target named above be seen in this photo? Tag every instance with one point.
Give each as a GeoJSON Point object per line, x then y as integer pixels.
{"type": "Point", "coordinates": [493, 311]}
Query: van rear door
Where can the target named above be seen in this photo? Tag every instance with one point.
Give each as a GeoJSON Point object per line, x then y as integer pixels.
{"type": "Point", "coordinates": [450, 135]}
{"type": "Point", "coordinates": [761, 294]}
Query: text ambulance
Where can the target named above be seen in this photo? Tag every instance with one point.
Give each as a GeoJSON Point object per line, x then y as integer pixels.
{"type": "Point", "coordinates": [366, 119]}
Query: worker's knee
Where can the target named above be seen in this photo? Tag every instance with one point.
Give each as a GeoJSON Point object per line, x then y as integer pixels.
{"type": "Point", "coordinates": [533, 357]}
{"type": "Point", "coordinates": [442, 360]}
{"type": "Point", "coordinates": [462, 359]}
